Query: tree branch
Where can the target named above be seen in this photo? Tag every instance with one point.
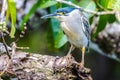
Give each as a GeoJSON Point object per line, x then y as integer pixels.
{"type": "Point", "coordinates": [86, 10]}
{"type": "Point", "coordinates": [32, 66]}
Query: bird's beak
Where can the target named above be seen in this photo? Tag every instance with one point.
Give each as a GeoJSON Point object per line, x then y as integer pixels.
{"type": "Point", "coordinates": [49, 16]}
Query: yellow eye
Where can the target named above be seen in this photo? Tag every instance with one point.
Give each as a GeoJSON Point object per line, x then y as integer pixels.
{"type": "Point", "coordinates": [61, 13]}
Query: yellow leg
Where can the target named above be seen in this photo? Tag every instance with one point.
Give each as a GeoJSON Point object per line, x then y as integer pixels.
{"type": "Point", "coordinates": [83, 53]}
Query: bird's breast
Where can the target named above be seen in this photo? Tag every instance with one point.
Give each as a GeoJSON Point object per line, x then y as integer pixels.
{"type": "Point", "coordinates": [75, 36]}
{"type": "Point", "coordinates": [67, 30]}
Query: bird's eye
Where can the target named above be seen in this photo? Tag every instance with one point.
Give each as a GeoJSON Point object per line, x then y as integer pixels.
{"type": "Point", "coordinates": [61, 13]}
{"type": "Point", "coordinates": [64, 12]}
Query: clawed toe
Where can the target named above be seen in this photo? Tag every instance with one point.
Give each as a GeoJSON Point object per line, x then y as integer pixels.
{"type": "Point", "coordinates": [81, 64]}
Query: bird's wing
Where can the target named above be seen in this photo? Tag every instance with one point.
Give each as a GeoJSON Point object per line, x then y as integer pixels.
{"type": "Point", "coordinates": [86, 27]}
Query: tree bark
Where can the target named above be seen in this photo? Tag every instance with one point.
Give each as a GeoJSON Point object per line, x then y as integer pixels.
{"type": "Point", "coordinates": [29, 66]}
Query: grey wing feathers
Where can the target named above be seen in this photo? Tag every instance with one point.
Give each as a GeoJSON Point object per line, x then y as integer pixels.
{"type": "Point", "coordinates": [86, 28]}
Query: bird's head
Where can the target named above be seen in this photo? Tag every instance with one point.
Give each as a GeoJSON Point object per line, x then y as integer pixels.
{"type": "Point", "coordinates": [60, 14]}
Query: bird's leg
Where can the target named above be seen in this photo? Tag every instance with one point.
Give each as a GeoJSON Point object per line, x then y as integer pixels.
{"type": "Point", "coordinates": [82, 59]}
{"type": "Point", "coordinates": [68, 56]}
{"type": "Point", "coordinates": [70, 50]}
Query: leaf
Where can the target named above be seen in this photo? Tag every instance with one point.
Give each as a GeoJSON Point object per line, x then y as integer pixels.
{"type": "Point", "coordinates": [7, 15]}
{"type": "Point", "coordinates": [47, 3]}
{"type": "Point", "coordinates": [104, 3]}
{"type": "Point", "coordinates": [12, 12]}
{"type": "Point", "coordinates": [114, 4]}
{"type": "Point", "coordinates": [112, 18]}
{"type": "Point", "coordinates": [102, 24]}
{"type": "Point", "coordinates": [88, 4]}
{"type": "Point", "coordinates": [55, 24]}
{"type": "Point", "coordinates": [60, 40]}
{"type": "Point", "coordinates": [59, 37]}
{"type": "Point", "coordinates": [110, 4]}
{"type": "Point", "coordinates": [75, 1]}
{"type": "Point", "coordinates": [27, 16]}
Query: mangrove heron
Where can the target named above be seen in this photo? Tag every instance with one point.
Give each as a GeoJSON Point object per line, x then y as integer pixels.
{"type": "Point", "coordinates": [75, 26]}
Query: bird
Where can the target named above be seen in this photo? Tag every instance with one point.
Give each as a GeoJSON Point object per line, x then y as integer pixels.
{"type": "Point", "coordinates": [76, 27]}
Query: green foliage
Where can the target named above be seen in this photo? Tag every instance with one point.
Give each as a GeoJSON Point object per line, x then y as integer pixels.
{"type": "Point", "coordinates": [102, 24]}
{"type": "Point", "coordinates": [54, 23]}
{"type": "Point", "coordinates": [104, 19]}
{"type": "Point", "coordinates": [114, 4]}
{"type": "Point", "coordinates": [60, 39]}
{"type": "Point", "coordinates": [58, 36]}
{"type": "Point", "coordinates": [27, 16]}
{"type": "Point", "coordinates": [110, 4]}
{"type": "Point", "coordinates": [47, 3]}
{"type": "Point", "coordinates": [104, 3]}
{"type": "Point", "coordinates": [111, 18]}
{"type": "Point", "coordinates": [88, 4]}
{"type": "Point", "coordinates": [107, 4]}
{"type": "Point", "coordinates": [3, 27]}
{"type": "Point", "coordinates": [12, 12]}
{"type": "Point", "coordinates": [39, 3]}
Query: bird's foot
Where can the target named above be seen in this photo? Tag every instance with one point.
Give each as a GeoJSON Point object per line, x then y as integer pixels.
{"type": "Point", "coordinates": [81, 64]}
{"type": "Point", "coordinates": [68, 57]}
{"type": "Point", "coordinates": [68, 60]}
{"type": "Point", "coordinates": [63, 63]}
{"type": "Point", "coordinates": [82, 69]}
